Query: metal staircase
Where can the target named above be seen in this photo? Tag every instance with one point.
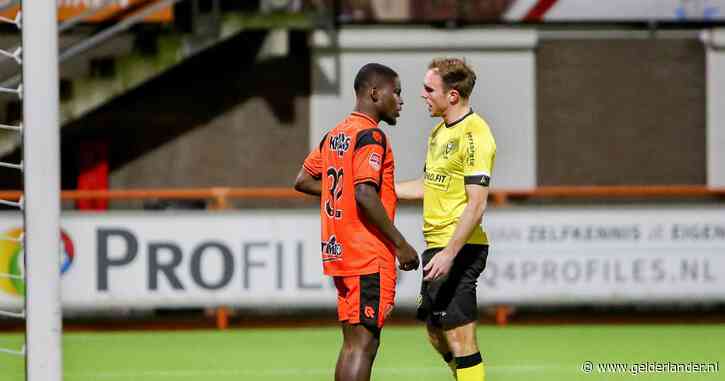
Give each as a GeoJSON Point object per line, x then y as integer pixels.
{"type": "Point", "coordinates": [98, 66]}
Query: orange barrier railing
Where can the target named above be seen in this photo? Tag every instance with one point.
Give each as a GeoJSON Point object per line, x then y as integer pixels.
{"type": "Point", "coordinates": [501, 197]}
{"type": "Point", "coordinates": [219, 197]}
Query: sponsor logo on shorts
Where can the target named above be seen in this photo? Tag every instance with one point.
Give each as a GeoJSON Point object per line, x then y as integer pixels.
{"type": "Point", "coordinates": [369, 312]}
{"type": "Point", "coordinates": [375, 161]}
{"type": "Point", "coordinates": [331, 250]}
{"type": "Point", "coordinates": [340, 143]}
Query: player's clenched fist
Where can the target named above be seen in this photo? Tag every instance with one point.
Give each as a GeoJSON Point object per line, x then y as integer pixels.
{"type": "Point", "coordinates": [407, 257]}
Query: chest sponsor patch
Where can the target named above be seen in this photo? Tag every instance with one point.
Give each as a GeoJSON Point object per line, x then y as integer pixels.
{"type": "Point", "coordinates": [331, 250]}
{"type": "Point", "coordinates": [437, 180]}
{"type": "Point", "coordinates": [340, 144]}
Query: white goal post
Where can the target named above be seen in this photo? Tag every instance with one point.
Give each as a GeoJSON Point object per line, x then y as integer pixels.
{"type": "Point", "coordinates": [41, 158]}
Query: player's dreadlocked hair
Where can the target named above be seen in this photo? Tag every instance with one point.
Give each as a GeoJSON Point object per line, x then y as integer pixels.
{"type": "Point", "coordinates": [456, 75]}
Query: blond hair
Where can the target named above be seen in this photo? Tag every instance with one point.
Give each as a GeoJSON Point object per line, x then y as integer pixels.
{"type": "Point", "coordinates": [456, 74]}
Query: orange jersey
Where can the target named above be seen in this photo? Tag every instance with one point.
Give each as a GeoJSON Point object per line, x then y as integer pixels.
{"type": "Point", "coordinates": [355, 151]}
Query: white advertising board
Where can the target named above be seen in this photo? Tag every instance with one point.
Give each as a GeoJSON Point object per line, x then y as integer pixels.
{"type": "Point", "coordinates": [270, 258]}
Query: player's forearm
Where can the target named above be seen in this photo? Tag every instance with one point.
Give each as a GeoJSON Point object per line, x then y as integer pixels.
{"type": "Point", "coordinates": [467, 222]}
{"type": "Point", "coordinates": [305, 183]}
{"type": "Point", "coordinates": [372, 209]}
{"type": "Point", "coordinates": [410, 190]}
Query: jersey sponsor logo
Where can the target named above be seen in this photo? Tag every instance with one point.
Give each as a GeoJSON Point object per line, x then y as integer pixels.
{"type": "Point", "coordinates": [437, 180]}
{"type": "Point", "coordinates": [471, 158]}
{"type": "Point", "coordinates": [375, 161]}
{"type": "Point", "coordinates": [331, 250]}
{"type": "Point", "coordinates": [369, 312]}
{"type": "Point", "coordinates": [340, 144]}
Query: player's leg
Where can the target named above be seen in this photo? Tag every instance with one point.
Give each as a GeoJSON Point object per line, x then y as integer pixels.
{"type": "Point", "coordinates": [359, 347]}
{"type": "Point", "coordinates": [464, 346]}
{"type": "Point", "coordinates": [438, 340]}
{"type": "Point", "coordinates": [428, 293]}
{"type": "Point", "coordinates": [362, 306]}
{"type": "Point", "coordinates": [456, 305]}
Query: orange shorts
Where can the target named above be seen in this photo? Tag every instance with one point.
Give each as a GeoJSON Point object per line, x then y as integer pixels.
{"type": "Point", "coordinates": [365, 299]}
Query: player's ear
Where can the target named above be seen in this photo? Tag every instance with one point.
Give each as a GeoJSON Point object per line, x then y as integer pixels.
{"type": "Point", "coordinates": [374, 93]}
{"type": "Point", "coordinates": [454, 96]}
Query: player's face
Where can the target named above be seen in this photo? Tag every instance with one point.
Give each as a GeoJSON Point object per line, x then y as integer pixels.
{"type": "Point", "coordinates": [391, 103]}
{"type": "Point", "coordinates": [434, 94]}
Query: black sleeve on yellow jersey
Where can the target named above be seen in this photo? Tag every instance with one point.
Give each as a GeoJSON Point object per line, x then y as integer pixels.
{"type": "Point", "coordinates": [366, 137]}
{"type": "Point", "coordinates": [482, 180]}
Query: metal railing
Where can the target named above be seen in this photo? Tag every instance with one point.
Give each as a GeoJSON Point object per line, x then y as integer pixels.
{"type": "Point", "coordinates": [221, 197]}
{"type": "Point", "coordinates": [100, 37]}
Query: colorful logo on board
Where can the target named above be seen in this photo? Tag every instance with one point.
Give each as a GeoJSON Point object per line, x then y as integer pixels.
{"type": "Point", "coordinates": [12, 267]}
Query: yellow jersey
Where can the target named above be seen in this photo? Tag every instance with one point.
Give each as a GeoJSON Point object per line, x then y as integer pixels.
{"type": "Point", "coordinates": [458, 154]}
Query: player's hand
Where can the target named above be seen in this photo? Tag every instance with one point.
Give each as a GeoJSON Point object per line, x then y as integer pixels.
{"type": "Point", "coordinates": [439, 265]}
{"type": "Point", "coordinates": [407, 257]}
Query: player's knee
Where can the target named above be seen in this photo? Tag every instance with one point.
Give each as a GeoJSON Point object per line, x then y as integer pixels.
{"type": "Point", "coordinates": [455, 346]}
{"type": "Point", "coordinates": [462, 340]}
{"type": "Point", "coordinates": [370, 345]}
{"type": "Point", "coordinates": [362, 348]}
{"type": "Point", "coordinates": [364, 343]}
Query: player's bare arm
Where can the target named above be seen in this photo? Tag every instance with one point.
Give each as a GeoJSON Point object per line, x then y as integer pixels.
{"type": "Point", "coordinates": [471, 217]}
{"type": "Point", "coordinates": [305, 183]}
{"type": "Point", "coordinates": [366, 196]}
{"type": "Point", "coordinates": [410, 190]}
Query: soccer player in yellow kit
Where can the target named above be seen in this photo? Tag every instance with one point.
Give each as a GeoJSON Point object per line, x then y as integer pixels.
{"type": "Point", "coordinates": [454, 189]}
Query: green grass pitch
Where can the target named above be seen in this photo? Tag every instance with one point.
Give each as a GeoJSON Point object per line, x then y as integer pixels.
{"type": "Point", "coordinates": [540, 353]}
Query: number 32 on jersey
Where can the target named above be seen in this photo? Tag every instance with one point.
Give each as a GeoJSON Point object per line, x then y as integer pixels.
{"type": "Point", "coordinates": [335, 193]}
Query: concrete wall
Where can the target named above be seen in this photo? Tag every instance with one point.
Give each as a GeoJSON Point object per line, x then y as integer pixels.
{"type": "Point", "coordinates": [223, 118]}
{"type": "Point", "coordinates": [504, 93]}
{"type": "Point", "coordinates": [621, 111]}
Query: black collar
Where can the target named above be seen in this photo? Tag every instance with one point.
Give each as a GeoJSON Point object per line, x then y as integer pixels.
{"type": "Point", "coordinates": [470, 112]}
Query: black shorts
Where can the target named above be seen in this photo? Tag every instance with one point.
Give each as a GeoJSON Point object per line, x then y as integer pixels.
{"type": "Point", "coordinates": [450, 301]}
